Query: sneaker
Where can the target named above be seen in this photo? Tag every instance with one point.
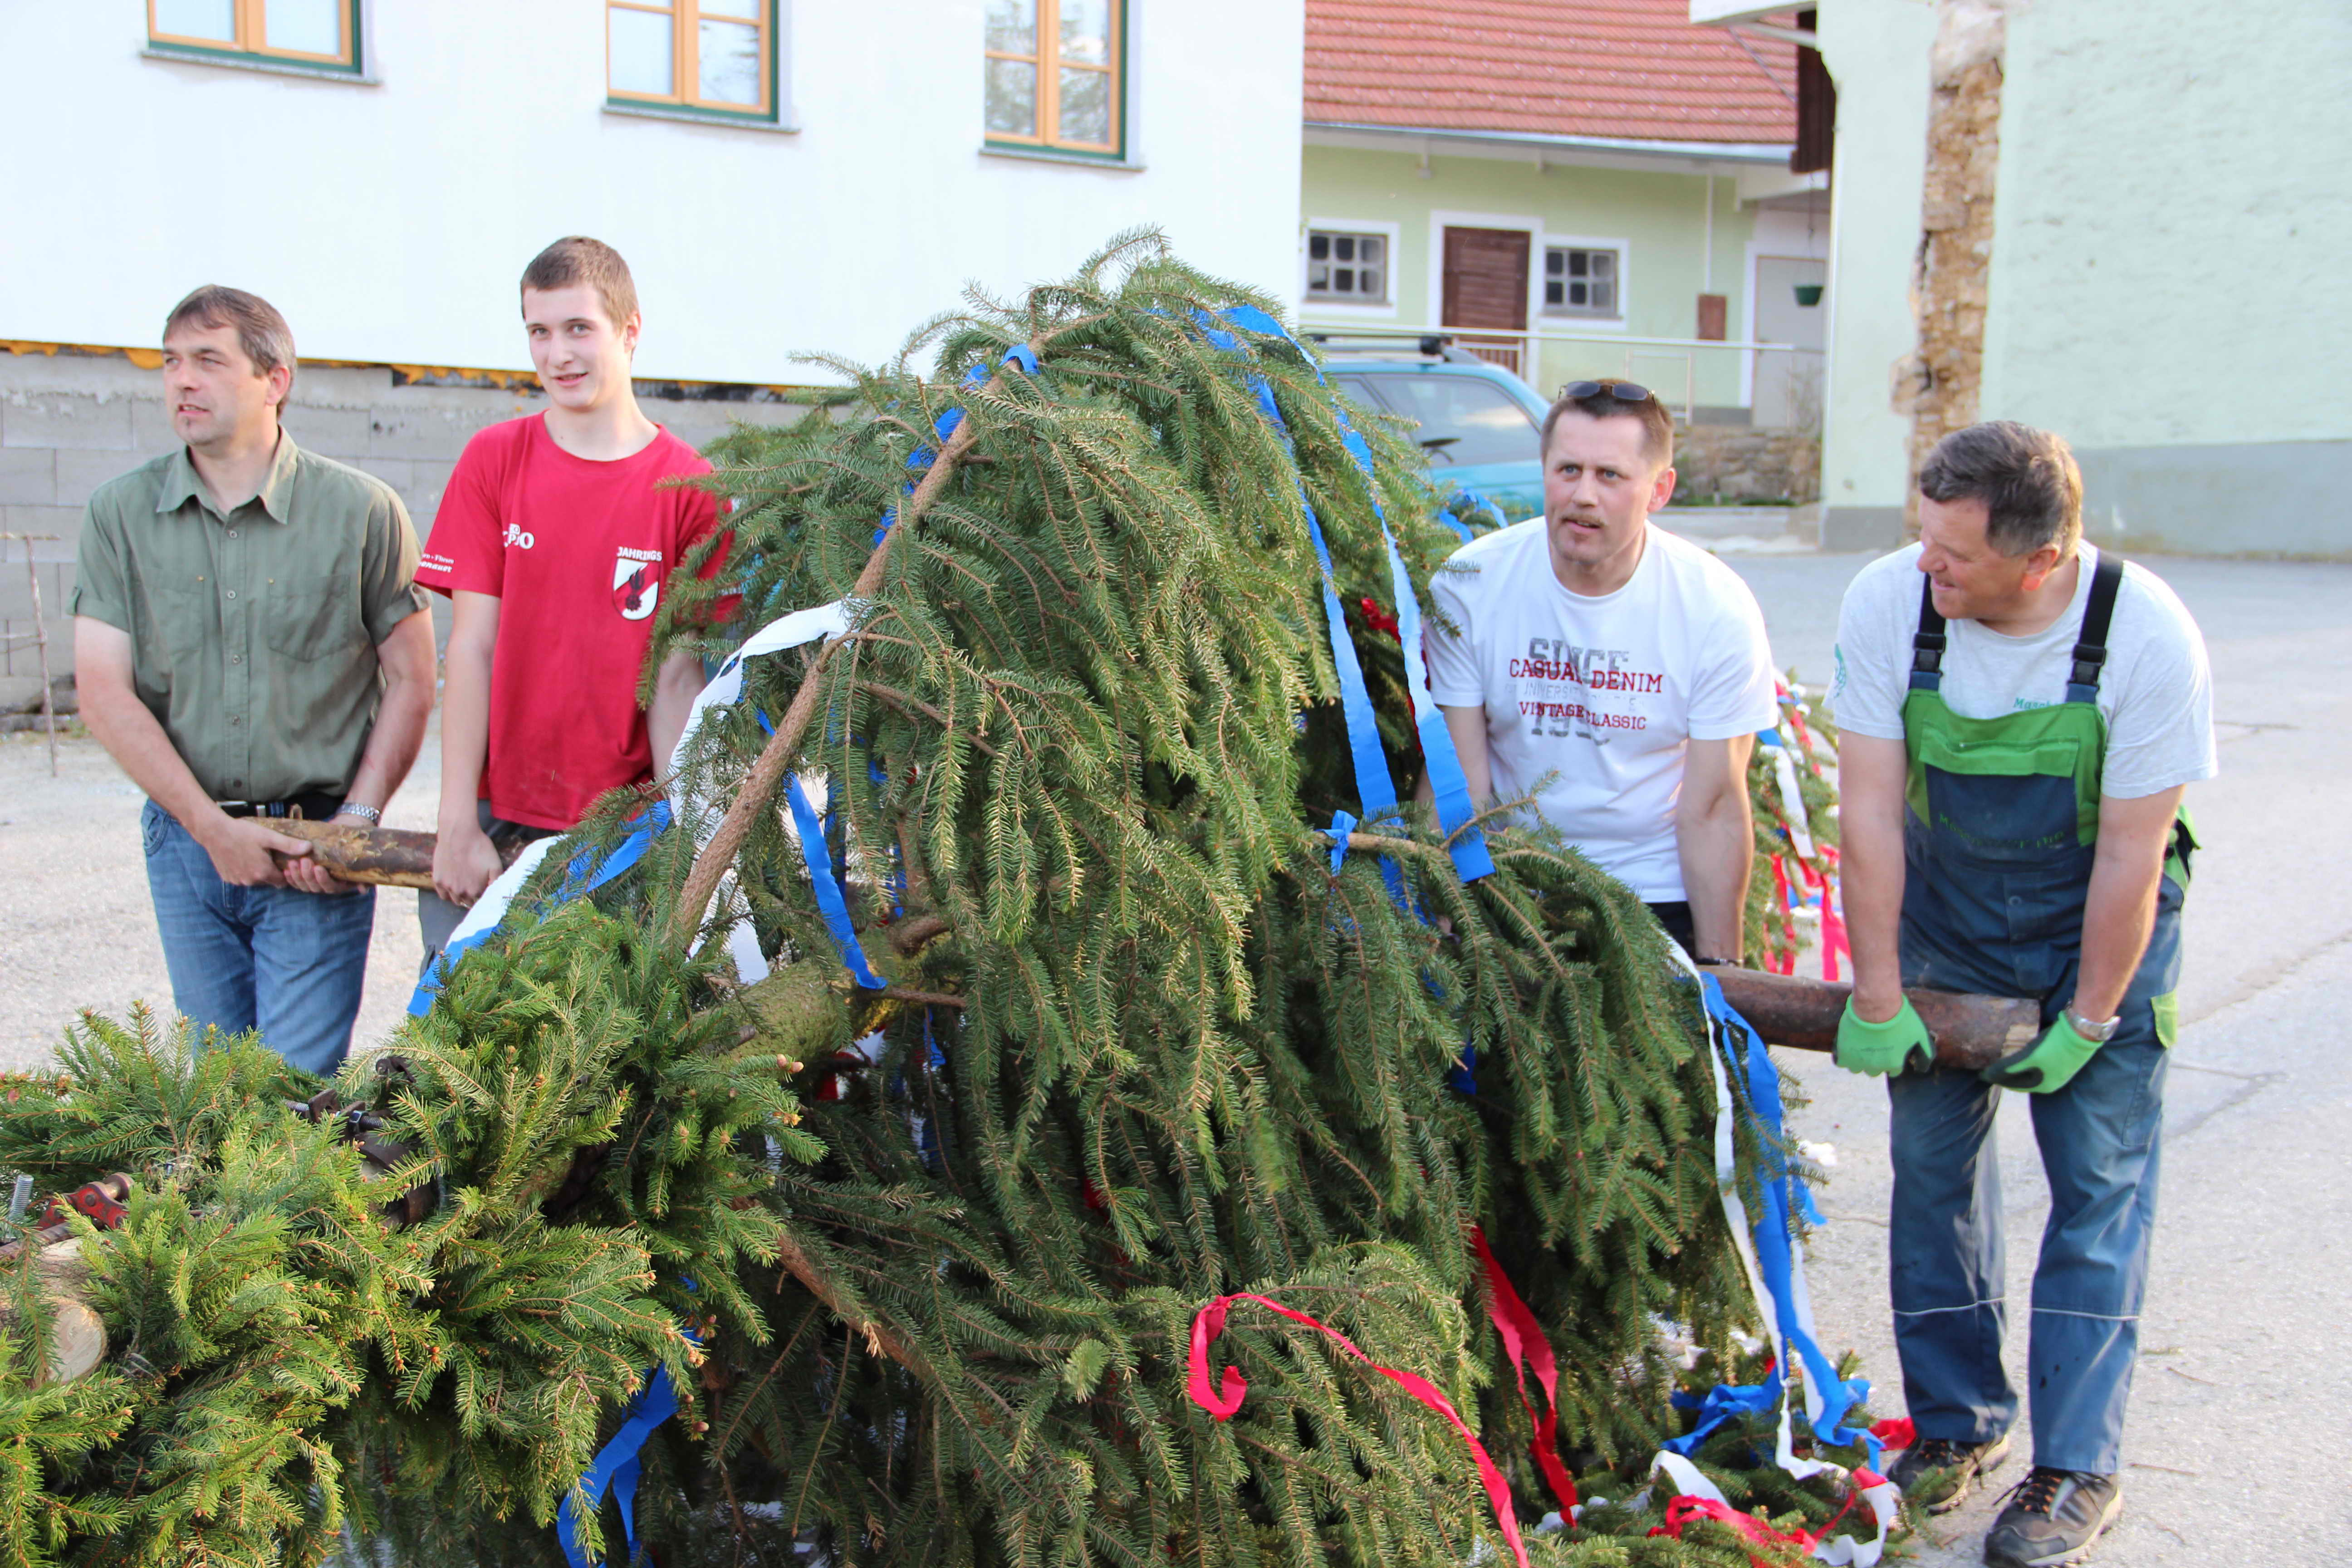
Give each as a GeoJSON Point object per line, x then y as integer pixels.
{"type": "Point", "coordinates": [2052, 1516]}
{"type": "Point", "coordinates": [1944, 1471]}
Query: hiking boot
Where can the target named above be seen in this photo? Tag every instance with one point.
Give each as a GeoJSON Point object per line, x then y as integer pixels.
{"type": "Point", "coordinates": [1945, 1471]}
{"type": "Point", "coordinates": [2052, 1516]}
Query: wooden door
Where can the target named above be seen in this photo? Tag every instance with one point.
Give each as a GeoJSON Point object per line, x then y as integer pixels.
{"type": "Point", "coordinates": [1486, 285]}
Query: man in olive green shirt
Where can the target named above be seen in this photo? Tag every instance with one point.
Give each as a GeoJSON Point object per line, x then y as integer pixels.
{"type": "Point", "coordinates": [249, 643]}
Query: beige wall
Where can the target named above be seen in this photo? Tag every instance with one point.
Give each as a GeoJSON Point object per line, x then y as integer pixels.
{"type": "Point", "coordinates": [2170, 222]}
{"type": "Point", "coordinates": [2173, 222]}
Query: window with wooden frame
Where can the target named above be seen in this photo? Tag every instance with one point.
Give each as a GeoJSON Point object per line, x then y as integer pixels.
{"type": "Point", "coordinates": [1055, 75]}
{"type": "Point", "coordinates": [1579, 281]}
{"type": "Point", "coordinates": [1347, 269]}
{"type": "Point", "coordinates": [321, 34]}
{"type": "Point", "coordinates": [702, 57]}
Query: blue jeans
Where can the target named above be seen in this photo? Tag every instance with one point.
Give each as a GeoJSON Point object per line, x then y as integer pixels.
{"type": "Point", "coordinates": [287, 963]}
{"type": "Point", "coordinates": [2099, 1139]}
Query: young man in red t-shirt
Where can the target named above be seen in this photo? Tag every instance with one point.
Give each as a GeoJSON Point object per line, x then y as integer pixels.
{"type": "Point", "coordinates": [552, 541]}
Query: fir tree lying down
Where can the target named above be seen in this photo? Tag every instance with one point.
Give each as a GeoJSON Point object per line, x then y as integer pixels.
{"type": "Point", "coordinates": [1138, 1045]}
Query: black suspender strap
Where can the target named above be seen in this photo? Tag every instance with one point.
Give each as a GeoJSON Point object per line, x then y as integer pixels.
{"type": "Point", "coordinates": [1927, 643]}
{"type": "Point", "coordinates": [2091, 642]}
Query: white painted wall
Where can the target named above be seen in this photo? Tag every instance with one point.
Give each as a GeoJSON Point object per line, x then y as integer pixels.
{"type": "Point", "coordinates": [1876, 51]}
{"type": "Point", "coordinates": [2172, 222]}
{"type": "Point", "coordinates": [390, 223]}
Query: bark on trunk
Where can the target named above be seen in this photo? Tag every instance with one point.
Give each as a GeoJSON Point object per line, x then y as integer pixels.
{"type": "Point", "coordinates": [1971, 1032]}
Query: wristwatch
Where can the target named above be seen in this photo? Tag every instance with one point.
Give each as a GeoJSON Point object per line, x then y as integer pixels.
{"type": "Point", "coordinates": [353, 808]}
{"type": "Point", "coordinates": [2098, 1033]}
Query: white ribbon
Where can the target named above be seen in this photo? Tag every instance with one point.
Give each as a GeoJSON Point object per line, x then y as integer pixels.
{"type": "Point", "coordinates": [491, 907]}
{"type": "Point", "coordinates": [725, 690]}
{"type": "Point", "coordinates": [1884, 1499]}
{"type": "Point", "coordinates": [1792, 799]}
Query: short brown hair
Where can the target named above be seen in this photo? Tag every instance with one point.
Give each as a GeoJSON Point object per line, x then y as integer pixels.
{"type": "Point", "coordinates": [2027, 479]}
{"type": "Point", "coordinates": [576, 259]}
{"type": "Point", "coordinates": [1657, 425]}
{"type": "Point", "coordinates": [261, 332]}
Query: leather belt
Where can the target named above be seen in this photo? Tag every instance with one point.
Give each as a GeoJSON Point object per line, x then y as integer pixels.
{"type": "Point", "coordinates": [316, 807]}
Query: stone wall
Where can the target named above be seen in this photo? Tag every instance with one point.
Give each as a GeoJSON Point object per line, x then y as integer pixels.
{"type": "Point", "coordinates": [1941, 386]}
{"type": "Point", "coordinates": [1725, 462]}
{"type": "Point", "coordinates": [71, 421]}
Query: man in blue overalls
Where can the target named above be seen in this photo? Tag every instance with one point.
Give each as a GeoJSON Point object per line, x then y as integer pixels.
{"type": "Point", "coordinates": [2020, 714]}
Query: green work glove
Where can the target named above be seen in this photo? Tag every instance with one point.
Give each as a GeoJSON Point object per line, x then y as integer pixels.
{"type": "Point", "coordinates": [1898, 1045]}
{"type": "Point", "coordinates": [2046, 1066]}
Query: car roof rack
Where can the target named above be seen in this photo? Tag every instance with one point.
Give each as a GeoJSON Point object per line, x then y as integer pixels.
{"type": "Point", "coordinates": [1439, 346]}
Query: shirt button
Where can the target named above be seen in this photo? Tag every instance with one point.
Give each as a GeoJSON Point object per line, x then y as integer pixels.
{"type": "Point", "coordinates": [232, 592]}
{"type": "Point", "coordinates": [232, 533]}
{"type": "Point", "coordinates": [236, 658]}
{"type": "Point", "coordinates": [232, 719]}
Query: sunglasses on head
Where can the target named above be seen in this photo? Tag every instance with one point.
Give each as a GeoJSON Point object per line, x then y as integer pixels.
{"type": "Point", "coordinates": [1623, 391]}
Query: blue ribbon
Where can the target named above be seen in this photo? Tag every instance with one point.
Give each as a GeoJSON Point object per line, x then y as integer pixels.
{"type": "Point", "coordinates": [1342, 825]}
{"type": "Point", "coordinates": [1477, 501]}
{"type": "Point", "coordinates": [1374, 787]}
{"type": "Point", "coordinates": [587, 872]}
{"type": "Point", "coordinates": [922, 458]}
{"type": "Point", "coordinates": [1773, 1257]}
{"type": "Point", "coordinates": [616, 1463]}
{"type": "Point", "coordinates": [829, 901]}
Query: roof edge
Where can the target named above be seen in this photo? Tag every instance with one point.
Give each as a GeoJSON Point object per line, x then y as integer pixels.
{"type": "Point", "coordinates": [1533, 141]}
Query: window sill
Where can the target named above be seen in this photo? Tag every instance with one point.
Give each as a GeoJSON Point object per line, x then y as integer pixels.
{"type": "Point", "coordinates": [717, 120]}
{"type": "Point", "coordinates": [1055, 155]}
{"type": "Point", "coordinates": [262, 63]}
{"type": "Point", "coordinates": [1563, 321]}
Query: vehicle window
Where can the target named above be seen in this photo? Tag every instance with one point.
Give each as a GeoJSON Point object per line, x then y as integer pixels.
{"type": "Point", "coordinates": [1464, 420]}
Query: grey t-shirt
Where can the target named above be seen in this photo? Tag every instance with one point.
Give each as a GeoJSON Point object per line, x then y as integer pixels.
{"type": "Point", "coordinates": [2155, 691]}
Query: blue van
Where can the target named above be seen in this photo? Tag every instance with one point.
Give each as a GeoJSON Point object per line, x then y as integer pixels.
{"type": "Point", "coordinates": [1479, 424]}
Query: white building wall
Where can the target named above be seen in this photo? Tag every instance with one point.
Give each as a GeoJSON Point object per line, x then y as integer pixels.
{"type": "Point", "coordinates": [390, 222]}
{"type": "Point", "coordinates": [1876, 51]}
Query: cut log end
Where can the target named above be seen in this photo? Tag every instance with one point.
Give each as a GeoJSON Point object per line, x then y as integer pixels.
{"type": "Point", "coordinates": [77, 1334]}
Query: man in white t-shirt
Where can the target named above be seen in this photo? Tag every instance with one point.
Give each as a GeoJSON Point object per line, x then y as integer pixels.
{"type": "Point", "coordinates": [2019, 715]}
{"type": "Point", "coordinates": [1621, 668]}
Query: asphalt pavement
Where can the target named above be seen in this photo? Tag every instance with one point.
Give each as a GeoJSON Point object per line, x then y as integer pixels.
{"type": "Point", "coordinates": [2239, 1438]}
{"type": "Point", "coordinates": [2239, 1441]}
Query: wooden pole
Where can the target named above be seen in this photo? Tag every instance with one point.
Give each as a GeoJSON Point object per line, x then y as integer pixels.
{"type": "Point", "coordinates": [1971, 1032]}
{"type": "Point", "coordinates": [379, 856]}
{"type": "Point", "coordinates": [759, 786]}
{"type": "Point", "coordinates": [41, 643]}
{"type": "Point", "coordinates": [40, 639]}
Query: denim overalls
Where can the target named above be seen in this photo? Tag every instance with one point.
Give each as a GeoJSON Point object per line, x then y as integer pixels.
{"type": "Point", "coordinates": [1999, 831]}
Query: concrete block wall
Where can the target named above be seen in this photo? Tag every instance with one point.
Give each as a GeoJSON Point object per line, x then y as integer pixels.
{"type": "Point", "coordinates": [69, 422]}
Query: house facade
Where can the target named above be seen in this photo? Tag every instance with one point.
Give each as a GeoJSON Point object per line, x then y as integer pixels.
{"type": "Point", "coordinates": [2110, 217]}
{"type": "Point", "coordinates": [1596, 189]}
{"type": "Point", "coordinates": [783, 176]}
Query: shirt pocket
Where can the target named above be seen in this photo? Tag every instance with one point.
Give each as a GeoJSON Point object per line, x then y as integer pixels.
{"type": "Point", "coordinates": [180, 620]}
{"type": "Point", "coordinates": [311, 615]}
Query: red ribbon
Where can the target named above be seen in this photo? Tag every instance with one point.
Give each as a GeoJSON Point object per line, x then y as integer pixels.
{"type": "Point", "coordinates": [1223, 1398]}
{"type": "Point", "coordinates": [1524, 1342]}
{"type": "Point", "coordinates": [1776, 963]}
{"type": "Point", "coordinates": [1895, 1432]}
{"type": "Point", "coordinates": [1683, 1510]}
{"type": "Point", "coordinates": [1834, 942]}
